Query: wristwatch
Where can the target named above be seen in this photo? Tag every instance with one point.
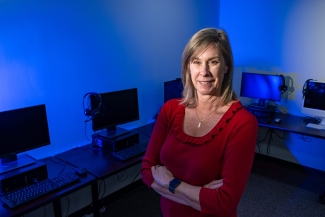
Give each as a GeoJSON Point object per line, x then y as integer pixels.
{"type": "Point", "coordinates": [173, 184]}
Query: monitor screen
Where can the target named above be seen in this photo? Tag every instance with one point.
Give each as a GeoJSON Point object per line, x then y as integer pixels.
{"type": "Point", "coordinates": [173, 89]}
{"type": "Point", "coordinates": [314, 99]}
{"type": "Point", "coordinates": [21, 130]}
{"type": "Point", "coordinates": [117, 107]}
{"type": "Point", "coordinates": [264, 87]}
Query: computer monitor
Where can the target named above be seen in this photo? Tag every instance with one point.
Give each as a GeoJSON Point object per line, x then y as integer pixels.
{"type": "Point", "coordinates": [21, 130]}
{"type": "Point", "coordinates": [115, 108]}
{"type": "Point", "coordinates": [264, 87]}
{"type": "Point", "coordinates": [314, 99]}
{"type": "Point", "coordinates": [173, 89]}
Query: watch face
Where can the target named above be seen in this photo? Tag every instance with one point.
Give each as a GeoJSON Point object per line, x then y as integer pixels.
{"type": "Point", "coordinates": [175, 182]}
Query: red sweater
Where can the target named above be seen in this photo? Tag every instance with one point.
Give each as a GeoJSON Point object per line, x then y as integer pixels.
{"type": "Point", "coordinates": [226, 152]}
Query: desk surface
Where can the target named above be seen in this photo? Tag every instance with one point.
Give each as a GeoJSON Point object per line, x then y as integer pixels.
{"type": "Point", "coordinates": [100, 162]}
{"type": "Point", "coordinates": [54, 167]}
{"type": "Point", "coordinates": [294, 124]}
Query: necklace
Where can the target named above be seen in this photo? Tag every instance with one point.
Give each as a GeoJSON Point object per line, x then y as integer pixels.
{"type": "Point", "coordinates": [201, 121]}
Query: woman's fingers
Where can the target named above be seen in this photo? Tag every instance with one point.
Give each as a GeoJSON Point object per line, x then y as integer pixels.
{"type": "Point", "coordinates": [215, 184]}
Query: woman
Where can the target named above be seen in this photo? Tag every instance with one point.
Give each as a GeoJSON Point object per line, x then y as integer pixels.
{"type": "Point", "coordinates": [202, 147]}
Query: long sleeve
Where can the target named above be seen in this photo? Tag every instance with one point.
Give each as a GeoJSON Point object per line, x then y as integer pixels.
{"type": "Point", "coordinates": [157, 139]}
{"type": "Point", "coordinates": [236, 166]}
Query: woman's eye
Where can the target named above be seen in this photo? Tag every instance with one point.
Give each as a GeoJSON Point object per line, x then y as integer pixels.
{"type": "Point", "coordinates": [213, 62]}
{"type": "Point", "coordinates": [196, 62]}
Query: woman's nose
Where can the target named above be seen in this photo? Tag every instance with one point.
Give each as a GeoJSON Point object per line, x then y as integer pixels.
{"type": "Point", "coordinates": [204, 69]}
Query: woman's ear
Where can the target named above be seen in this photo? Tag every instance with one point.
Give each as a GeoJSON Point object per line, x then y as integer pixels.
{"type": "Point", "coordinates": [226, 68]}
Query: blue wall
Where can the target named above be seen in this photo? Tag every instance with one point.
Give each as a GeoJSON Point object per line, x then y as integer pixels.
{"type": "Point", "coordinates": [55, 51]}
{"type": "Point", "coordinates": [281, 37]}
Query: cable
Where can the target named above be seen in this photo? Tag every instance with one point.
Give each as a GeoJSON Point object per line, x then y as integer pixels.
{"type": "Point", "coordinates": [269, 142]}
{"type": "Point", "coordinates": [60, 163]}
{"type": "Point", "coordinates": [135, 177]}
{"type": "Point", "coordinates": [86, 131]}
{"type": "Point", "coordinates": [264, 137]}
{"type": "Point", "coordinates": [258, 145]}
{"type": "Point", "coordinates": [119, 179]}
{"type": "Point", "coordinates": [104, 189]}
{"type": "Point", "coordinates": [68, 207]}
{"type": "Point", "coordinates": [283, 137]}
{"type": "Point", "coordinates": [44, 211]}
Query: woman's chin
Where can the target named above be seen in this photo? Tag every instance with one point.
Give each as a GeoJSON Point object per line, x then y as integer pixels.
{"type": "Point", "coordinates": [205, 90]}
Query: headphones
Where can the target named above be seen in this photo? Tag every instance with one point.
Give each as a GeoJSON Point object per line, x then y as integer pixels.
{"type": "Point", "coordinates": [290, 89]}
{"type": "Point", "coordinates": [305, 88]}
{"type": "Point", "coordinates": [93, 112]}
{"type": "Point", "coordinates": [283, 87]}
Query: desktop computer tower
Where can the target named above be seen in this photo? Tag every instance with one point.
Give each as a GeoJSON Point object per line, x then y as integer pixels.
{"type": "Point", "coordinates": [117, 143]}
{"type": "Point", "coordinates": [23, 176]}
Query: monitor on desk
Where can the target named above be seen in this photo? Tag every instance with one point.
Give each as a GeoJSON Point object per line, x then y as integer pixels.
{"type": "Point", "coordinates": [314, 100]}
{"type": "Point", "coordinates": [173, 89]}
{"type": "Point", "coordinates": [264, 87]}
{"type": "Point", "coordinates": [21, 130]}
{"type": "Point", "coordinates": [115, 108]}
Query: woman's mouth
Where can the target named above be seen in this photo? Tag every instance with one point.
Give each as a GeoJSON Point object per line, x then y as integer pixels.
{"type": "Point", "coordinates": [205, 82]}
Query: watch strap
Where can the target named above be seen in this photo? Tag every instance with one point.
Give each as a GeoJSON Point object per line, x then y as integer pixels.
{"type": "Point", "coordinates": [173, 184]}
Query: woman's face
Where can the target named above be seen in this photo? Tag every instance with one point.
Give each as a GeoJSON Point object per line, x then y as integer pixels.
{"type": "Point", "coordinates": [207, 71]}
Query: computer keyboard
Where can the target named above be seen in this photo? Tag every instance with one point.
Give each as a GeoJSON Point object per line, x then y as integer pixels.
{"type": "Point", "coordinates": [131, 151]}
{"type": "Point", "coordinates": [31, 192]}
{"type": "Point", "coordinates": [316, 126]}
{"type": "Point", "coordinates": [263, 120]}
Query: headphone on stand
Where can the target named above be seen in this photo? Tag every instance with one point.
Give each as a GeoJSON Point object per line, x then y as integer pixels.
{"type": "Point", "coordinates": [305, 88]}
{"type": "Point", "coordinates": [93, 112]}
{"type": "Point", "coordinates": [283, 87]}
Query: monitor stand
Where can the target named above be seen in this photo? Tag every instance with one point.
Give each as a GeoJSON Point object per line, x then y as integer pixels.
{"type": "Point", "coordinates": [111, 134]}
{"type": "Point", "coordinates": [263, 104]}
{"type": "Point", "coordinates": [256, 105]}
{"type": "Point", "coordinates": [21, 161]}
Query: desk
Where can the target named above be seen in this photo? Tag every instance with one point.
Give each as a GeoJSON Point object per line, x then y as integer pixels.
{"type": "Point", "coordinates": [54, 167]}
{"type": "Point", "coordinates": [101, 163]}
{"type": "Point", "coordinates": [293, 124]}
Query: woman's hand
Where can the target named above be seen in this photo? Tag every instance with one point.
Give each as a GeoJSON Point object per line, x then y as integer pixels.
{"type": "Point", "coordinates": [162, 175]}
{"type": "Point", "coordinates": [215, 184]}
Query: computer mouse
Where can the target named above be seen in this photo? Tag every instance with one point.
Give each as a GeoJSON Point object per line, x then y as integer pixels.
{"type": "Point", "coordinates": [81, 171]}
{"type": "Point", "coordinates": [277, 120]}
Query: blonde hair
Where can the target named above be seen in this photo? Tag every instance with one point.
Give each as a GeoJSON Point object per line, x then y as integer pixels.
{"type": "Point", "coordinates": [197, 44]}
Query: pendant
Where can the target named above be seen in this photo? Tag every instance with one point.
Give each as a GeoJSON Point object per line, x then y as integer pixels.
{"type": "Point", "coordinates": [198, 126]}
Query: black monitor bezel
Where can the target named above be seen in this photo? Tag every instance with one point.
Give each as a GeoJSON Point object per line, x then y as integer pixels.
{"type": "Point", "coordinates": [313, 100]}
{"type": "Point", "coordinates": [175, 86]}
{"type": "Point", "coordinates": [23, 124]}
{"type": "Point", "coordinates": [97, 124]}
